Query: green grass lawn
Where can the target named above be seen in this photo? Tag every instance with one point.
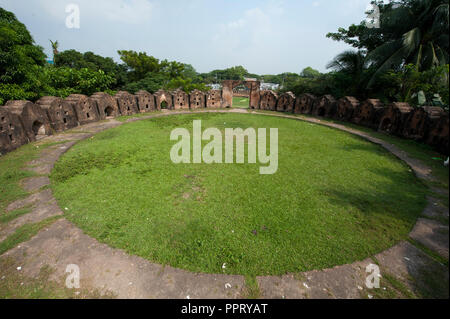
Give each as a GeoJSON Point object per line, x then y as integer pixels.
{"type": "Point", "coordinates": [241, 102]}
{"type": "Point", "coordinates": [334, 199]}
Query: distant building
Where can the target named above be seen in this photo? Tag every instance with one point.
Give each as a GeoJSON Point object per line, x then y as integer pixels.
{"type": "Point", "coordinates": [214, 86]}
{"type": "Point", "coordinates": [269, 86]}
{"type": "Point", "coordinates": [250, 79]}
{"type": "Point", "coordinates": [49, 61]}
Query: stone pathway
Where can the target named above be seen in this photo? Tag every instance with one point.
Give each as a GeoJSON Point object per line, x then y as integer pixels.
{"type": "Point", "coordinates": [112, 271]}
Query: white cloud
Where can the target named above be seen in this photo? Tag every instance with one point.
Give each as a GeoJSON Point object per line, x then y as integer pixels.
{"type": "Point", "coordinates": [123, 11]}
{"type": "Point", "coordinates": [249, 33]}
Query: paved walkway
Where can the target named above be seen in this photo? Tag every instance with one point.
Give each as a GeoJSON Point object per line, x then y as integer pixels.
{"type": "Point", "coordinates": [112, 271]}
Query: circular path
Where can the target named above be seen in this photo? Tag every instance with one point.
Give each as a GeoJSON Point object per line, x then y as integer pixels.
{"type": "Point", "coordinates": [113, 272]}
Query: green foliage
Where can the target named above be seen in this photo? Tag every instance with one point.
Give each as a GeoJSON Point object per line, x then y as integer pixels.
{"type": "Point", "coordinates": [415, 32]}
{"type": "Point", "coordinates": [139, 64]}
{"type": "Point", "coordinates": [310, 73]}
{"type": "Point", "coordinates": [19, 57]}
{"type": "Point", "coordinates": [56, 81]}
{"type": "Point", "coordinates": [411, 31]}
{"type": "Point", "coordinates": [186, 85]}
{"type": "Point", "coordinates": [93, 62]}
{"type": "Point", "coordinates": [407, 54]}
{"type": "Point", "coordinates": [405, 85]}
{"type": "Point", "coordinates": [234, 73]}
{"type": "Point", "coordinates": [150, 74]}
{"type": "Point", "coordinates": [337, 84]}
{"type": "Point", "coordinates": [63, 81]}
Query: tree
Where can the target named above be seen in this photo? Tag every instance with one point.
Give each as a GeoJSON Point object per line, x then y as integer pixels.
{"type": "Point", "coordinates": [20, 59]}
{"type": "Point", "coordinates": [418, 34]}
{"type": "Point", "coordinates": [408, 84]}
{"type": "Point", "coordinates": [411, 31]}
{"type": "Point", "coordinates": [309, 73]}
{"type": "Point", "coordinates": [93, 62]}
{"type": "Point", "coordinates": [139, 64]}
{"type": "Point", "coordinates": [55, 46]}
{"type": "Point", "coordinates": [18, 53]}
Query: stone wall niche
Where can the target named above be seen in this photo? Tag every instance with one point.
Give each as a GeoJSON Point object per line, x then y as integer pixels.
{"type": "Point", "coordinates": [286, 102]}
{"type": "Point", "coordinates": [197, 99]}
{"type": "Point", "coordinates": [34, 119]}
{"type": "Point", "coordinates": [12, 133]}
{"type": "Point", "coordinates": [304, 104]}
{"type": "Point", "coordinates": [127, 103]}
{"type": "Point", "coordinates": [418, 122]}
{"type": "Point", "coordinates": [369, 113]}
{"type": "Point", "coordinates": [61, 114]}
{"type": "Point", "coordinates": [346, 107]}
{"type": "Point", "coordinates": [106, 105]}
{"type": "Point", "coordinates": [180, 100]}
{"type": "Point", "coordinates": [325, 106]}
{"type": "Point", "coordinates": [438, 133]}
{"type": "Point", "coordinates": [214, 99]}
{"type": "Point", "coordinates": [85, 108]}
{"type": "Point", "coordinates": [145, 101]}
{"type": "Point", "coordinates": [394, 118]}
{"type": "Point", "coordinates": [163, 100]}
{"type": "Point", "coordinates": [268, 100]}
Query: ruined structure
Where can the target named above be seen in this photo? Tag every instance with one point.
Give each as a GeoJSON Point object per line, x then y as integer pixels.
{"type": "Point", "coordinates": [127, 103]}
{"type": "Point", "coordinates": [23, 121]}
{"type": "Point", "coordinates": [438, 133]}
{"type": "Point", "coordinates": [85, 108]}
{"type": "Point", "coordinates": [60, 113]}
{"type": "Point", "coordinates": [369, 113]}
{"type": "Point", "coordinates": [163, 100]}
{"type": "Point", "coordinates": [145, 101]}
{"type": "Point", "coordinates": [345, 108]}
{"type": "Point", "coordinates": [286, 102]}
{"type": "Point", "coordinates": [394, 117]}
{"type": "Point", "coordinates": [268, 100]}
{"type": "Point", "coordinates": [180, 100]}
{"type": "Point", "coordinates": [214, 99]}
{"type": "Point", "coordinates": [255, 94]}
{"type": "Point", "coordinates": [227, 92]}
{"type": "Point", "coordinates": [12, 133]}
{"type": "Point", "coordinates": [197, 99]}
{"type": "Point", "coordinates": [34, 119]}
{"type": "Point", "coordinates": [415, 126]}
{"type": "Point", "coordinates": [304, 104]}
{"type": "Point", "coordinates": [106, 105]}
{"type": "Point", "coordinates": [325, 106]}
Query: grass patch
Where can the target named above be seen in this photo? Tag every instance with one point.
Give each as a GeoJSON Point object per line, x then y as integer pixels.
{"type": "Point", "coordinates": [124, 118]}
{"type": "Point", "coordinates": [429, 252]}
{"type": "Point", "coordinates": [14, 285]}
{"type": "Point", "coordinates": [241, 102]}
{"type": "Point", "coordinates": [390, 288]}
{"type": "Point", "coordinates": [24, 233]}
{"type": "Point", "coordinates": [7, 217]}
{"type": "Point", "coordinates": [414, 149]}
{"type": "Point", "coordinates": [335, 198]}
{"type": "Point", "coordinates": [251, 288]}
{"type": "Point", "coordinates": [12, 172]}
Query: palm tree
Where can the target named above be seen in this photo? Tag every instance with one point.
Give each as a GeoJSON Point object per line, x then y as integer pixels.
{"type": "Point", "coordinates": [55, 46]}
{"type": "Point", "coordinates": [416, 32]}
{"type": "Point", "coordinates": [352, 63]}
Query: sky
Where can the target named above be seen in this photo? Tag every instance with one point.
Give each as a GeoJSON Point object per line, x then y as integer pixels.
{"type": "Point", "coordinates": [265, 36]}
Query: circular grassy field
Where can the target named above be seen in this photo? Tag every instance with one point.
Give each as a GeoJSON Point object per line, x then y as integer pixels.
{"type": "Point", "coordinates": [335, 198]}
